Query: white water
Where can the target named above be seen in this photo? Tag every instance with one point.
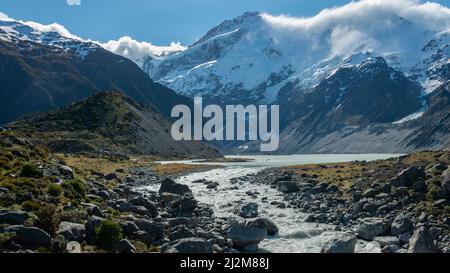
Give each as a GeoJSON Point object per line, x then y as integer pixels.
{"type": "Point", "coordinates": [295, 236]}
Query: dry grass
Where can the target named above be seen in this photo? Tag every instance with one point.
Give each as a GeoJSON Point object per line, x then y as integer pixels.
{"type": "Point", "coordinates": [86, 165]}
{"type": "Point", "coordinates": [179, 168]}
{"type": "Point", "coordinates": [342, 175]}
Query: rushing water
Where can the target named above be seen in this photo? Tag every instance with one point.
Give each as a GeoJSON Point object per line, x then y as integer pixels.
{"type": "Point", "coordinates": [295, 236]}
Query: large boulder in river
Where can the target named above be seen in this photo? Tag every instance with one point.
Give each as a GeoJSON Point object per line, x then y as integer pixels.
{"type": "Point", "coordinates": [170, 186]}
{"type": "Point", "coordinates": [249, 210]}
{"type": "Point", "coordinates": [72, 231]}
{"type": "Point", "coordinates": [421, 242]}
{"type": "Point", "coordinates": [188, 245]}
{"type": "Point", "coordinates": [242, 235]}
{"type": "Point", "coordinates": [342, 243]}
{"type": "Point", "coordinates": [371, 227]}
{"type": "Point", "coordinates": [287, 186]}
{"type": "Point", "coordinates": [407, 177]}
{"type": "Point", "coordinates": [29, 237]}
{"type": "Point", "coordinates": [264, 223]}
{"type": "Point", "coordinates": [401, 225]}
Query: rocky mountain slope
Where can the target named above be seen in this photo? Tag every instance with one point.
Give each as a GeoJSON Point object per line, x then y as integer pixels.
{"type": "Point", "coordinates": [107, 123]}
{"type": "Point", "coordinates": [366, 72]}
{"type": "Point", "coordinates": [44, 67]}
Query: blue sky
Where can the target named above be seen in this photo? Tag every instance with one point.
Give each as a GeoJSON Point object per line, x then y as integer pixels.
{"type": "Point", "coordinates": [157, 21]}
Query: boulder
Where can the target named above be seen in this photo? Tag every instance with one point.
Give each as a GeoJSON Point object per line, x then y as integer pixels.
{"type": "Point", "coordinates": [29, 237]}
{"type": "Point", "coordinates": [371, 227]}
{"type": "Point", "coordinates": [129, 228]}
{"type": "Point", "coordinates": [342, 243]}
{"type": "Point", "coordinates": [242, 235]}
{"type": "Point", "coordinates": [401, 225]}
{"type": "Point", "coordinates": [66, 171]}
{"type": "Point", "coordinates": [124, 246]}
{"type": "Point", "coordinates": [144, 202]}
{"type": "Point", "coordinates": [188, 203]}
{"type": "Point", "coordinates": [387, 240]}
{"type": "Point", "coordinates": [446, 183]}
{"type": "Point", "coordinates": [249, 210]}
{"type": "Point", "coordinates": [188, 245]}
{"type": "Point", "coordinates": [264, 223]}
{"type": "Point", "coordinates": [92, 224]}
{"type": "Point", "coordinates": [170, 186]}
{"type": "Point", "coordinates": [408, 176]}
{"type": "Point", "coordinates": [13, 217]}
{"type": "Point", "coordinates": [182, 221]}
{"type": "Point", "coordinates": [154, 230]}
{"type": "Point", "coordinates": [72, 231]}
{"type": "Point", "coordinates": [288, 186]}
{"type": "Point", "coordinates": [421, 241]}
{"type": "Point", "coordinates": [181, 232]}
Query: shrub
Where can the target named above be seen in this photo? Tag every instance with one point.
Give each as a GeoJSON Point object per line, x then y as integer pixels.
{"type": "Point", "coordinates": [75, 189]}
{"type": "Point", "coordinates": [49, 218]}
{"type": "Point", "coordinates": [6, 237]}
{"type": "Point", "coordinates": [107, 234]}
{"type": "Point", "coordinates": [54, 190]}
{"type": "Point", "coordinates": [31, 171]}
{"type": "Point", "coordinates": [31, 205]}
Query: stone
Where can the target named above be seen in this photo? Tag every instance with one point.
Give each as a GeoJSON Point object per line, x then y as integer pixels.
{"type": "Point", "coordinates": [139, 210]}
{"type": "Point", "coordinates": [181, 232]}
{"type": "Point", "coordinates": [421, 241]}
{"type": "Point", "coordinates": [29, 237]}
{"type": "Point", "coordinates": [188, 203]}
{"type": "Point", "coordinates": [149, 205]}
{"type": "Point", "coordinates": [96, 211]}
{"type": "Point", "coordinates": [182, 221]}
{"type": "Point", "coordinates": [13, 217]}
{"type": "Point", "coordinates": [287, 186]}
{"type": "Point", "coordinates": [66, 171]}
{"type": "Point", "coordinates": [73, 247]}
{"type": "Point", "coordinates": [242, 235]}
{"type": "Point", "coordinates": [371, 227]}
{"type": "Point", "coordinates": [400, 225]}
{"type": "Point", "coordinates": [154, 230]}
{"type": "Point", "coordinates": [446, 183]}
{"type": "Point", "coordinates": [419, 186]}
{"type": "Point", "coordinates": [72, 231]}
{"type": "Point", "coordinates": [408, 176]}
{"type": "Point", "coordinates": [104, 194]}
{"type": "Point", "coordinates": [129, 228]}
{"type": "Point", "coordinates": [251, 248]}
{"type": "Point", "coordinates": [342, 243]}
{"type": "Point", "coordinates": [388, 249]}
{"type": "Point", "coordinates": [111, 176]}
{"type": "Point", "coordinates": [188, 245]}
{"type": "Point", "coordinates": [91, 225]}
{"type": "Point", "coordinates": [249, 210]}
{"type": "Point", "coordinates": [371, 193]}
{"type": "Point", "coordinates": [387, 240]}
{"type": "Point", "coordinates": [124, 246]}
{"type": "Point", "coordinates": [264, 223]}
{"type": "Point", "coordinates": [170, 186]}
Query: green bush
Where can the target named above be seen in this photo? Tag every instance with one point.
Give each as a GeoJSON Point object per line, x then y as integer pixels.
{"type": "Point", "coordinates": [6, 237]}
{"type": "Point", "coordinates": [30, 205]}
{"type": "Point", "coordinates": [54, 190]}
{"type": "Point", "coordinates": [49, 218]}
{"type": "Point", "coordinates": [74, 189]}
{"type": "Point", "coordinates": [107, 234]}
{"type": "Point", "coordinates": [31, 171]}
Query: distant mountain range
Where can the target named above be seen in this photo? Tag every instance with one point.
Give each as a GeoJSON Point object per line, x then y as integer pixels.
{"type": "Point", "coordinates": [364, 77]}
{"type": "Point", "coordinates": [370, 76]}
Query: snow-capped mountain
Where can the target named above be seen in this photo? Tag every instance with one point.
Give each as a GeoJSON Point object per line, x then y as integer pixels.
{"type": "Point", "coordinates": [252, 57]}
{"type": "Point", "coordinates": [45, 67]}
{"type": "Point", "coordinates": [53, 36]}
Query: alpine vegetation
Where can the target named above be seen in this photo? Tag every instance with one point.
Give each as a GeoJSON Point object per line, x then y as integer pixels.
{"type": "Point", "coordinates": [235, 118]}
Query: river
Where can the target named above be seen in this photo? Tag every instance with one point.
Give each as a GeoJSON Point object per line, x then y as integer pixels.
{"type": "Point", "coordinates": [295, 236]}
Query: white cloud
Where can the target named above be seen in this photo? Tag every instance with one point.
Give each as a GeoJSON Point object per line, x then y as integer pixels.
{"type": "Point", "coordinates": [55, 27]}
{"type": "Point", "coordinates": [373, 24]}
{"type": "Point", "coordinates": [73, 2]}
{"type": "Point", "coordinates": [138, 51]}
